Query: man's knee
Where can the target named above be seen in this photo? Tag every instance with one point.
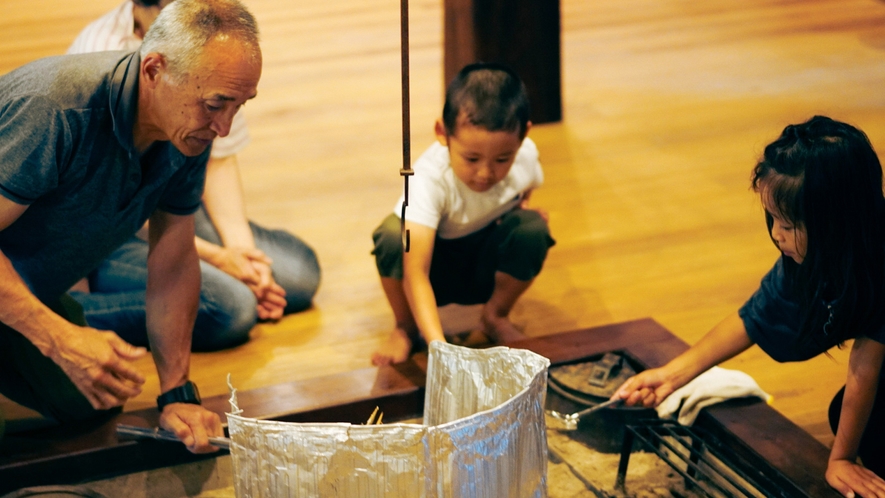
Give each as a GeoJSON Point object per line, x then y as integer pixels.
{"type": "Point", "coordinates": [388, 250]}
{"type": "Point", "coordinates": [33, 380]}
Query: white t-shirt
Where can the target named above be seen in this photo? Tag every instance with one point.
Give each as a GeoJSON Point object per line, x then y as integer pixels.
{"type": "Point", "coordinates": [438, 199]}
{"type": "Point", "coordinates": [116, 31]}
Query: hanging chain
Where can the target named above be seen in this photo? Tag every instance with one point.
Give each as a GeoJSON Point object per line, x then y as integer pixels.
{"type": "Point", "coordinates": [406, 170]}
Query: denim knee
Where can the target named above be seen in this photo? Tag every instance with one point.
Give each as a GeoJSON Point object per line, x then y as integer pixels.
{"type": "Point", "coordinates": [388, 249]}
{"type": "Point", "coordinates": [524, 242]}
{"type": "Point", "coordinates": [227, 312]}
{"type": "Point", "coordinates": [295, 266]}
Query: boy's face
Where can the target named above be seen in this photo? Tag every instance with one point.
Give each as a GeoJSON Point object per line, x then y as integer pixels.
{"type": "Point", "coordinates": [480, 158]}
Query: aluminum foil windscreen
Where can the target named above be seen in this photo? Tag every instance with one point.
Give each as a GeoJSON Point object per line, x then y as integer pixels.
{"type": "Point", "coordinates": [483, 435]}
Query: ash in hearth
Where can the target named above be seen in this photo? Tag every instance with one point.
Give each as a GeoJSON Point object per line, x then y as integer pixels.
{"type": "Point", "coordinates": [576, 470]}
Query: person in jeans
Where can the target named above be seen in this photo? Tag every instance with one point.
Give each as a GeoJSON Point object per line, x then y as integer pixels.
{"type": "Point", "coordinates": [249, 272]}
{"type": "Point", "coordinates": [94, 145]}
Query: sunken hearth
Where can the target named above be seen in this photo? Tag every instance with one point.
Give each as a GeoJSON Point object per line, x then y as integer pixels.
{"type": "Point", "coordinates": [663, 460]}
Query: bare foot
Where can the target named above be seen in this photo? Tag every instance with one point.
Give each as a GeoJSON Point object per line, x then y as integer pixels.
{"type": "Point", "coordinates": [395, 350]}
{"type": "Point", "coordinates": [500, 329]}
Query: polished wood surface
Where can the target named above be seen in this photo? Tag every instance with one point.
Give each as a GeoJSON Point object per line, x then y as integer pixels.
{"type": "Point", "coordinates": [666, 107]}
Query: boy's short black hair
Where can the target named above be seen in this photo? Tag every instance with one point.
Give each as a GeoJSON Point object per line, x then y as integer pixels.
{"type": "Point", "coordinates": [489, 95]}
{"type": "Point", "coordinates": [146, 3]}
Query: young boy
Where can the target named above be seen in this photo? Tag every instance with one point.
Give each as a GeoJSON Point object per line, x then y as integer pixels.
{"type": "Point", "coordinates": [472, 240]}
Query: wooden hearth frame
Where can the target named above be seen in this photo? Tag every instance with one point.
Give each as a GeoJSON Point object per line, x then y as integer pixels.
{"type": "Point", "coordinates": [52, 456]}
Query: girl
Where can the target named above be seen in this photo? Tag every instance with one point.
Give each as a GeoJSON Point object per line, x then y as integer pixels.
{"type": "Point", "coordinates": [820, 183]}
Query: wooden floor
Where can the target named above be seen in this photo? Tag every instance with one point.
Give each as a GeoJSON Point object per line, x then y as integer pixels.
{"type": "Point", "coordinates": [667, 105]}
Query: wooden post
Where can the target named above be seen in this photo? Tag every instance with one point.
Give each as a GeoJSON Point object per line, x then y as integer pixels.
{"type": "Point", "coordinates": [523, 34]}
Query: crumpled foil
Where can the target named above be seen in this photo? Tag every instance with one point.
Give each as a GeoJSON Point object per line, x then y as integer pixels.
{"type": "Point", "coordinates": [483, 435]}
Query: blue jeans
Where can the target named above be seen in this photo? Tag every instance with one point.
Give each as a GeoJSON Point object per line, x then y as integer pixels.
{"type": "Point", "coordinates": [227, 310]}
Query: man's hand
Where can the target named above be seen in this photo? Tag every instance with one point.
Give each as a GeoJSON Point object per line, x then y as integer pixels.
{"type": "Point", "coordinates": [852, 480]}
{"type": "Point", "coordinates": [193, 425]}
{"type": "Point", "coordinates": [100, 366]}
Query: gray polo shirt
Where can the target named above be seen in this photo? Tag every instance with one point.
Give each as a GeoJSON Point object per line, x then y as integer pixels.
{"type": "Point", "coordinates": [67, 152]}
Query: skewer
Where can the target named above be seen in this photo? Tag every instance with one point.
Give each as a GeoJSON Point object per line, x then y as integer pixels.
{"type": "Point", "coordinates": [372, 420]}
{"type": "Point", "coordinates": [164, 435]}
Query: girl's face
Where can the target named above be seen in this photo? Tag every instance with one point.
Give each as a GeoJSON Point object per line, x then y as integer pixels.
{"type": "Point", "coordinates": [791, 239]}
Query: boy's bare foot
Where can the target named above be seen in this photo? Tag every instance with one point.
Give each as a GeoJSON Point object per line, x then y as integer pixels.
{"type": "Point", "coordinates": [395, 350]}
{"type": "Point", "coordinates": [500, 329]}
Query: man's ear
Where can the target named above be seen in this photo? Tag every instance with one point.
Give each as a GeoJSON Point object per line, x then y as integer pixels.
{"type": "Point", "coordinates": [153, 65]}
{"type": "Point", "coordinates": [439, 129]}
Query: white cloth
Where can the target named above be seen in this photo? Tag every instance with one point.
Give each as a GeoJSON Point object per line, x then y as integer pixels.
{"type": "Point", "coordinates": [116, 31]}
{"type": "Point", "coordinates": [438, 199]}
{"type": "Point", "coordinates": [711, 387]}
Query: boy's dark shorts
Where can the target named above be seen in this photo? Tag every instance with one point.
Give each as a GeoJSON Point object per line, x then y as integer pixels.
{"type": "Point", "coordinates": [463, 270]}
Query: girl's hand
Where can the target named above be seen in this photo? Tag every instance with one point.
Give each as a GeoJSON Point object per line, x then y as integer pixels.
{"type": "Point", "coordinates": [648, 388]}
{"type": "Point", "coordinates": [852, 480]}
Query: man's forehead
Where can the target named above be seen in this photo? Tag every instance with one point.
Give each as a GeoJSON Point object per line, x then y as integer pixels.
{"type": "Point", "coordinates": [226, 97]}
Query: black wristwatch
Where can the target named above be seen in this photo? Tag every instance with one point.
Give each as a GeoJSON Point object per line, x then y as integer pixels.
{"type": "Point", "coordinates": [185, 393]}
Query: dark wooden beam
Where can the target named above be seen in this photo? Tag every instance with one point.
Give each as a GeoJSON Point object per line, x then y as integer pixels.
{"type": "Point", "coordinates": [523, 34]}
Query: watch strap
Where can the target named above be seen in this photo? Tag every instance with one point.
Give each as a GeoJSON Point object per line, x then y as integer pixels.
{"type": "Point", "coordinates": [185, 393]}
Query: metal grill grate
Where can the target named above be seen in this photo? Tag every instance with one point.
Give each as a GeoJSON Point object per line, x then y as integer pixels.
{"type": "Point", "coordinates": [709, 467]}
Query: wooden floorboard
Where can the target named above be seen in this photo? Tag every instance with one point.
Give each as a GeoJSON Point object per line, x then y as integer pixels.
{"type": "Point", "coordinates": [667, 105]}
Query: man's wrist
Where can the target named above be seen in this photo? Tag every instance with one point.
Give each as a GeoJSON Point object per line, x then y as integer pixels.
{"type": "Point", "coordinates": [185, 393]}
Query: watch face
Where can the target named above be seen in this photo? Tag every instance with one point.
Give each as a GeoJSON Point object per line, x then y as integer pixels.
{"type": "Point", "coordinates": [194, 392]}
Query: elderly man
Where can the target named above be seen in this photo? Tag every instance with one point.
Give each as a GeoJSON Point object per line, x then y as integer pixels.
{"type": "Point", "coordinates": [248, 272]}
{"type": "Point", "coordinates": [93, 146]}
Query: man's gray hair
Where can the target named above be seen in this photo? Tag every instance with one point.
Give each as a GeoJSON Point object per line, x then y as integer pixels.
{"type": "Point", "coordinates": [183, 28]}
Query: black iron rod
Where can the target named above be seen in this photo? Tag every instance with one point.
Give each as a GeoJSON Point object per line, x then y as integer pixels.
{"type": "Point", "coordinates": [738, 466]}
{"type": "Point", "coordinates": [406, 170]}
{"type": "Point", "coordinates": [648, 444]}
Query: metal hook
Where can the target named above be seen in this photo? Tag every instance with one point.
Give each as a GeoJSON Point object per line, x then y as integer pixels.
{"type": "Point", "coordinates": [406, 170]}
{"type": "Point", "coordinates": [405, 173]}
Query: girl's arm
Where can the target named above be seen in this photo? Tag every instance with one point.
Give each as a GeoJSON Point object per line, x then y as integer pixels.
{"type": "Point", "coordinates": [416, 282]}
{"type": "Point", "coordinates": [651, 387]}
{"type": "Point", "coordinates": [843, 473]}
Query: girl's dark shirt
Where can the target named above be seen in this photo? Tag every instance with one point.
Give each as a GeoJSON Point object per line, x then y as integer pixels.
{"type": "Point", "coordinates": [771, 317]}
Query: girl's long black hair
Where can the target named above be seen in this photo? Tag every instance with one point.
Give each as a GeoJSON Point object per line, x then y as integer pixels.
{"type": "Point", "coordinates": [824, 175]}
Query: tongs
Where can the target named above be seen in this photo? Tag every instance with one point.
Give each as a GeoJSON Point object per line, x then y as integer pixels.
{"type": "Point", "coordinates": [164, 435]}
{"type": "Point", "coordinates": [570, 421]}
